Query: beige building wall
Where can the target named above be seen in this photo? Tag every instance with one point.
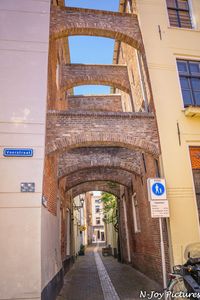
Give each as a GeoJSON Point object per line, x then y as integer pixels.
{"type": "Point", "coordinates": [111, 235]}
{"type": "Point", "coordinates": [162, 52]}
{"type": "Point", "coordinates": [24, 38]}
{"type": "Point", "coordinates": [50, 245]}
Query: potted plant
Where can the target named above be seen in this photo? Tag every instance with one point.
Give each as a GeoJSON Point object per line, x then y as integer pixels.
{"type": "Point", "coordinates": [82, 250]}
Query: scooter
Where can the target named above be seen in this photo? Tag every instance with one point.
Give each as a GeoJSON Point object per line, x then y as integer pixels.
{"type": "Point", "coordinates": [185, 280]}
{"type": "Point", "coordinates": [191, 274]}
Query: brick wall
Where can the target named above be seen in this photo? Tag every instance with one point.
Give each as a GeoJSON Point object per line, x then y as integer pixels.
{"type": "Point", "coordinates": [77, 21]}
{"type": "Point", "coordinates": [56, 99]}
{"type": "Point", "coordinates": [58, 54]}
{"type": "Point", "coordinates": [96, 103]}
{"type": "Point", "coordinates": [98, 174]}
{"type": "Point", "coordinates": [137, 70]}
{"type": "Point", "coordinates": [128, 55]}
{"type": "Point", "coordinates": [82, 158]}
{"type": "Point", "coordinates": [109, 187]}
{"type": "Point", "coordinates": [65, 130]}
{"type": "Point", "coordinates": [138, 76]}
{"type": "Point", "coordinates": [50, 188]}
{"type": "Point", "coordinates": [145, 245]}
{"type": "Point", "coordinates": [80, 74]}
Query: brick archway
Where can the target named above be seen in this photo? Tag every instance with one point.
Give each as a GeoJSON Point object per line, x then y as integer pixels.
{"type": "Point", "coordinates": [102, 140]}
{"type": "Point", "coordinates": [78, 21]}
{"type": "Point", "coordinates": [72, 75]}
{"type": "Point", "coordinates": [98, 174]}
{"type": "Point", "coordinates": [104, 186]}
{"type": "Point", "coordinates": [86, 158]}
{"type": "Point", "coordinates": [67, 130]}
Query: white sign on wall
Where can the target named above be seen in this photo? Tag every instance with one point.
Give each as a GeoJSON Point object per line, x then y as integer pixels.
{"type": "Point", "coordinates": [159, 209]}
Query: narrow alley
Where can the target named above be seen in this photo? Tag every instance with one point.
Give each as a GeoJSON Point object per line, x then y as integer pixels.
{"type": "Point", "coordinates": [100, 148]}
{"type": "Point", "coordinates": [97, 277]}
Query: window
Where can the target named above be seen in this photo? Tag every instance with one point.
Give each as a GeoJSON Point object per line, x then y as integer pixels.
{"type": "Point", "coordinates": [98, 221]}
{"type": "Point", "coordinates": [97, 208]}
{"type": "Point", "coordinates": [189, 74]}
{"type": "Point", "coordinates": [179, 13]}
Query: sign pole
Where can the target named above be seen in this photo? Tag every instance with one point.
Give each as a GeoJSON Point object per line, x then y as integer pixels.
{"type": "Point", "coordinates": [159, 209]}
{"type": "Point", "coordinates": [162, 255]}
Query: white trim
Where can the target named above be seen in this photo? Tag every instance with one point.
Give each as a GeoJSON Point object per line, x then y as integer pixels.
{"type": "Point", "coordinates": [167, 15]}
{"type": "Point", "coordinates": [192, 16]}
{"type": "Point", "coordinates": [179, 84]}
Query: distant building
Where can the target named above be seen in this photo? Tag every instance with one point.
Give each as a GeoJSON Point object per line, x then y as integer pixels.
{"type": "Point", "coordinates": [98, 229]}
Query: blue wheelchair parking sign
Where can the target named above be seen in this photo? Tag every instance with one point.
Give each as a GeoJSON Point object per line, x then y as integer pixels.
{"type": "Point", "coordinates": [158, 189]}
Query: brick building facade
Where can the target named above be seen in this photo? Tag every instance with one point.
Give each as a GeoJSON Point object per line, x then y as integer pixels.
{"type": "Point", "coordinates": [109, 142]}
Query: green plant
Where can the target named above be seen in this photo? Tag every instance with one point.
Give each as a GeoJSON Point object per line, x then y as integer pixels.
{"type": "Point", "coordinates": [82, 250]}
{"type": "Point", "coordinates": [110, 209]}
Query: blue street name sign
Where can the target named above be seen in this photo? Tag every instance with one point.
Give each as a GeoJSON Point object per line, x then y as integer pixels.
{"type": "Point", "coordinates": [21, 152]}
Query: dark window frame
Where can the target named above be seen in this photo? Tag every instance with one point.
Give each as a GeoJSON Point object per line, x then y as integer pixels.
{"type": "Point", "coordinates": [189, 75]}
{"type": "Point", "coordinates": [178, 11]}
{"type": "Point", "coordinates": [98, 221]}
{"type": "Point", "coordinates": [97, 209]}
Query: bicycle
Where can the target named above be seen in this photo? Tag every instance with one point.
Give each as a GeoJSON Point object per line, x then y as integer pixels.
{"type": "Point", "coordinates": [176, 288]}
{"type": "Point", "coordinates": [184, 281]}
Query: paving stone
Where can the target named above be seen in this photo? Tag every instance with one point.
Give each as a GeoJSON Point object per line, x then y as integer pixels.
{"type": "Point", "coordinates": [127, 281]}
{"type": "Point", "coordinates": [95, 277]}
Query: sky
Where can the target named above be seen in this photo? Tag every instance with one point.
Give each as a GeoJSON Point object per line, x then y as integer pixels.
{"type": "Point", "coordinates": [92, 50]}
{"type": "Point", "coordinates": [112, 5]}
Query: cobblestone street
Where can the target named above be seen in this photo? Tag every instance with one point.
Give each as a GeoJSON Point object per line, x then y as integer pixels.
{"type": "Point", "coordinates": [94, 277]}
